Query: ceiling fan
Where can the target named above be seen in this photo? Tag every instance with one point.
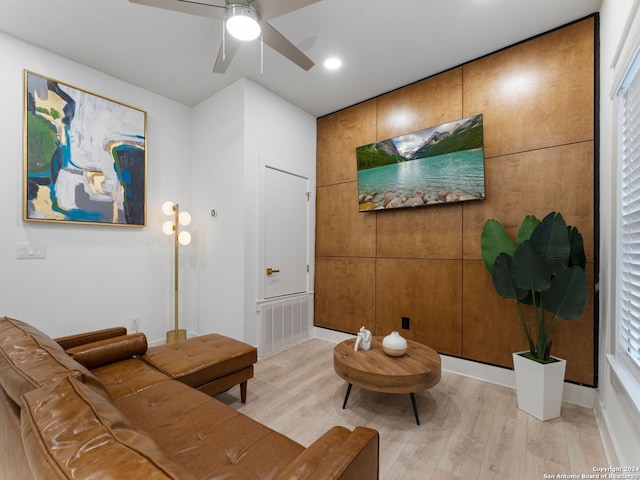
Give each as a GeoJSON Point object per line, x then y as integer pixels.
{"type": "Point", "coordinates": [254, 13]}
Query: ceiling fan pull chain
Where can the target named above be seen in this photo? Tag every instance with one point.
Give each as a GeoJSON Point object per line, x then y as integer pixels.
{"type": "Point", "coordinates": [261, 54]}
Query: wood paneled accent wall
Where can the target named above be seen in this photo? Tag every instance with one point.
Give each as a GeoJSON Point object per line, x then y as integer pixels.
{"type": "Point", "coordinates": [373, 268]}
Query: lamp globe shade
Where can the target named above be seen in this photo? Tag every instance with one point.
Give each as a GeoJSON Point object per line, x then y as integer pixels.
{"type": "Point", "coordinates": [168, 228]}
{"type": "Point", "coordinates": [184, 238]}
{"type": "Point", "coordinates": [167, 208]}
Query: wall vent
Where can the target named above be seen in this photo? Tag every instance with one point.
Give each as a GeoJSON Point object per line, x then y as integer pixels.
{"type": "Point", "coordinates": [283, 322]}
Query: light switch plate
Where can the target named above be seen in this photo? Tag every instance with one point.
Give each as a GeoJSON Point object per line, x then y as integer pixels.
{"type": "Point", "coordinates": [30, 250]}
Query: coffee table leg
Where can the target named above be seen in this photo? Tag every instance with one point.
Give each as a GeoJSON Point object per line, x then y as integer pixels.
{"type": "Point", "coordinates": [415, 407]}
{"type": "Point", "coordinates": [346, 397]}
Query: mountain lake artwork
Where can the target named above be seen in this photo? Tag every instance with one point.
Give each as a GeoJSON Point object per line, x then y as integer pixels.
{"type": "Point", "coordinates": [437, 165]}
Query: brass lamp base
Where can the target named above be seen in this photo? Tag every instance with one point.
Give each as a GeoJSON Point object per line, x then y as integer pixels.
{"type": "Point", "coordinates": [176, 335]}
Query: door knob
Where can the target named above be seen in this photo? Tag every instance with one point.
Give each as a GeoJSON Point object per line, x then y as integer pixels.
{"type": "Point", "coordinates": [272, 270]}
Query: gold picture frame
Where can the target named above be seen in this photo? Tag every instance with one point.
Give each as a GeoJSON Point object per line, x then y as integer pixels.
{"type": "Point", "coordinates": [84, 156]}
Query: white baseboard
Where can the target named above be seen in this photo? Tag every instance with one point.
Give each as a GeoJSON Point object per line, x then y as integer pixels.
{"type": "Point", "coordinates": [575, 394]}
{"type": "Point", "coordinates": [330, 335]}
{"type": "Point", "coordinates": [605, 435]}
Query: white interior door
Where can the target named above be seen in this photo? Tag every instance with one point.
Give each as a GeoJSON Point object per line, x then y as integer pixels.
{"type": "Point", "coordinates": [286, 233]}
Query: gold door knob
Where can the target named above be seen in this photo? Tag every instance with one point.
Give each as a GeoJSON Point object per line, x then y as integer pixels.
{"type": "Point", "coordinates": [272, 270]}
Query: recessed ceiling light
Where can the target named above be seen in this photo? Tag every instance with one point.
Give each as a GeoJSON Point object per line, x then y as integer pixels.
{"type": "Point", "coordinates": [332, 63]}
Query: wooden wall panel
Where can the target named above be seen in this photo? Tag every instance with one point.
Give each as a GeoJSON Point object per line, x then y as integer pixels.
{"type": "Point", "coordinates": [345, 293]}
{"type": "Point", "coordinates": [536, 94]}
{"type": "Point", "coordinates": [538, 102]}
{"type": "Point", "coordinates": [537, 182]}
{"type": "Point", "coordinates": [341, 229]}
{"type": "Point", "coordinates": [429, 292]}
{"type": "Point", "coordinates": [424, 233]}
{"type": "Point", "coordinates": [491, 327]}
{"type": "Point", "coordinates": [337, 138]}
{"type": "Point", "coordinates": [430, 102]}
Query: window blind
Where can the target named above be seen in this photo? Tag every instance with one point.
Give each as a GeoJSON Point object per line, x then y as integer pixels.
{"type": "Point", "coordinates": [629, 321]}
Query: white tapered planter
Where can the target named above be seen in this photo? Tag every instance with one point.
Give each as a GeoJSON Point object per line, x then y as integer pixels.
{"type": "Point", "coordinates": [539, 386]}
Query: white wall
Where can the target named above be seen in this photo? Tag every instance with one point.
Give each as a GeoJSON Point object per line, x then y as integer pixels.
{"type": "Point", "coordinates": [92, 276]}
{"type": "Point", "coordinates": [218, 183]}
{"type": "Point", "coordinates": [231, 131]}
{"type": "Point", "coordinates": [619, 420]}
{"type": "Point", "coordinates": [203, 158]}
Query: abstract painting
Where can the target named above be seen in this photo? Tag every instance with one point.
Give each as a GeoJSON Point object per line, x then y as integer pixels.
{"type": "Point", "coordinates": [84, 156]}
{"type": "Point", "coordinates": [436, 165]}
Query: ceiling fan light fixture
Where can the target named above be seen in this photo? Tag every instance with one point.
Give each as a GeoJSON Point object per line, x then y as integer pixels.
{"type": "Point", "coordinates": [241, 21]}
{"type": "Point", "coordinates": [332, 63]}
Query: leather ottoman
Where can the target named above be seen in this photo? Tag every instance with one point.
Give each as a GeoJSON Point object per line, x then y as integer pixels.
{"type": "Point", "coordinates": [211, 363]}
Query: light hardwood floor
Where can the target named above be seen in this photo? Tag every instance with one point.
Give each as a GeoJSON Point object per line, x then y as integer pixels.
{"type": "Point", "coordinates": [469, 429]}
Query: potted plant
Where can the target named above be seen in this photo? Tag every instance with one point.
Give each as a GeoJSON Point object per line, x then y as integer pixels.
{"type": "Point", "coordinates": [543, 268]}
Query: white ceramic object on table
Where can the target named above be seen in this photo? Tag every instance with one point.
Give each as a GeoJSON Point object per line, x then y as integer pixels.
{"type": "Point", "coordinates": [363, 340]}
{"type": "Point", "coordinates": [394, 344]}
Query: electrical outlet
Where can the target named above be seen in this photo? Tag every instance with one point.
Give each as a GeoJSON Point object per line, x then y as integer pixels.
{"type": "Point", "coordinates": [135, 324]}
{"type": "Point", "coordinates": [405, 323]}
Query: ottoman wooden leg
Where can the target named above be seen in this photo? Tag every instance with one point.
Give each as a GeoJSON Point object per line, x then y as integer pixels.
{"type": "Point", "coordinates": [243, 392]}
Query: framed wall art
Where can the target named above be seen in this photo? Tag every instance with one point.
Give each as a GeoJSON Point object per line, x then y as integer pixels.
{"type": "Point", "coordinates": [437, 165]}
{"type": "Point", "coordinates": [84, 156]}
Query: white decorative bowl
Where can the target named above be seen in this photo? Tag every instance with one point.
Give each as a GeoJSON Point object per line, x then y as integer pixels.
{"type": "Point", "coordinates": [394, 345]}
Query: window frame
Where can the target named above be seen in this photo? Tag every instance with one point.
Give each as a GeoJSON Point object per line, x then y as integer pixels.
{"type": "Point", "coordinates": [626, 64]}
{"type": "Point", "coordinates": [622, 116]}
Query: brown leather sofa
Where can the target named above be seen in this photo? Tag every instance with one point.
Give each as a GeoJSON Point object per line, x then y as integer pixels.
{"type": "Point", "coordinates": [122, 418]}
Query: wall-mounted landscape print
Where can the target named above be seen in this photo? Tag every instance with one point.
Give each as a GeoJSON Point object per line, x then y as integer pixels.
{"type": "Point", "coordinates": [437, 165]}
{"type": "Point", "coordinates": [84, 156]}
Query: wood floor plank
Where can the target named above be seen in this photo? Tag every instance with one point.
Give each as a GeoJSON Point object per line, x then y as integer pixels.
{"type": "Point", "coordinates": [536, 468]}
{"type": "Point", "coordinates": [583, 439]}
{"type": "Point", "coordinates": [507, 403]}
{"type": "Point", "coordinates": [465, 450]}
{"type": "Point", "coordinates": [469, 429]}
{"type": "Point", "coordinates": [546, 441]}
{"type": "Point", "coordinates": [442, 475]}
{"type": "Point", "coordinates": [419, 458]}
{"type": "Point", "coordinates": [505, 452]}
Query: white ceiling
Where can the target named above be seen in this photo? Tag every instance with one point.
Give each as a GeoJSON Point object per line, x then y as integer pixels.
{"type": "Point", "coordinates": [383, 44]}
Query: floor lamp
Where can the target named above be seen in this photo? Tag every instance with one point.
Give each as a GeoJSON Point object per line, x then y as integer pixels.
{"type": "Point", "coordinates": [172, 227]}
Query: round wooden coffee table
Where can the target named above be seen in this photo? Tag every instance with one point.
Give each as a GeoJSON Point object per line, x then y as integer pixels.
{"type": "Point", "coordinates": [374, 370]}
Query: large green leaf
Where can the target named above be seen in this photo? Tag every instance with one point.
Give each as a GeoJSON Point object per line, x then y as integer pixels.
{"type": "Point", "coordinates": [527, 227]}
{"type": "Point", "coordinates": [494, 241]}
{"type": "Point", "coordinates": [568, 293]}
{"type": "Point", "coordinates": [528, 268]}
{"type": "Point", "coordinates": [576, 255]}
{"type": "Point", "coordinates": [528, 299]}
{"type": "Point", "coordinates": [552, 240]}
{"type": "Point", "coordinates": [502, 278]}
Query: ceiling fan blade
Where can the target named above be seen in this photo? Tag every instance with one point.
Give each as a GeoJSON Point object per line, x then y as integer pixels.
{"type": "Point", "coordinates": [268, 9]}
{"type": "Point", "coordinates": [280, 44]}
{"type": "Point", "coordinates": [228, 50]}
{"type": "Point", "coordinates": [192, 7]}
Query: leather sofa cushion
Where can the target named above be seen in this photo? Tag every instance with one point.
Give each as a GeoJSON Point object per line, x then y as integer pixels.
{"type": "Point", "coordinates": [128, 377]}
{"type": "Point", "coordinates": [30, 359]}
{"type": "Point", "coordinates": [213, 439]}
{"type": "Point", "coordinates": [201, 359]}
{"type": "Point", "coordinates": [71, 431]}
{"type": "Point", "coordinates": [109, 350]}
